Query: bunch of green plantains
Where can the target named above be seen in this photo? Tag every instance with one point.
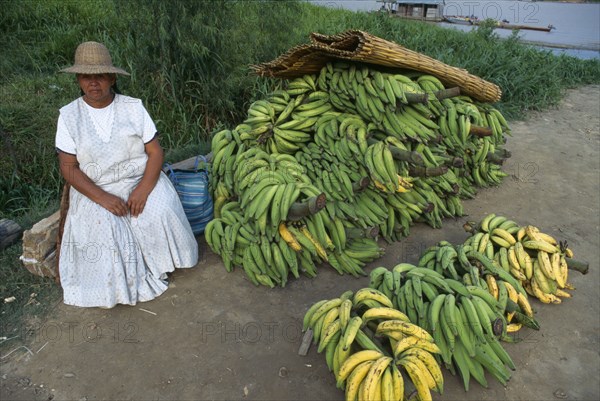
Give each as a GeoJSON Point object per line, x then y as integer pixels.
{"type": "Point", "coordinates": [320, 169]}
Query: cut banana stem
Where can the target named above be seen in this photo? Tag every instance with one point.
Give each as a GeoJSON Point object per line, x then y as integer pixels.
{"type": "Point", "coordinates": [427, 171]}
{"type": "Point", "coordinates": [313, 205]}
{"type": "Point", "coordinates": [458, 162]}
{"type": "Point", "coordinates": [429, 208]}
{"type": "Point", "coordinates": [578, 265]}
{"type": "Point", "coordinates": [480, 131]}
{"type": "Point", "coordinates": [403, 155]}
{"type": "Point", "coordinates": [503, 153]}
{"type": "Point", "coordinates": [357, 232]}
{"type": "Point", "coordinates": [447, 93]}
{"type": "Point", "coordinates": [471, 227]}
{"type": "Point", "coordinates": [494, 158]}
{"type": "Point", "coordinates": [360, 185]}
{"type": "Point", "coordinates": [412, 98]}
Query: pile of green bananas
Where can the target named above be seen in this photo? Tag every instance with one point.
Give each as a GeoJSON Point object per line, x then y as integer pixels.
{"type": "Point", "coordinates": [465, 321]}
{"type": "Point", "coordinates": [349, 329]}
{"type": "Point", "coordinates": [374, 151]}
{"type": "Point", "coordinates": [269, 218]}
{"type": "Point", "coordinates": [465, 264]}
{"type": "Point", "coordinates": [537, 260]}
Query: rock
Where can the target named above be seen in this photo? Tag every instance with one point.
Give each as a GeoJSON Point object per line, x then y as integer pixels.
{"type": "Point", "coordinates": [10, 232]}
{"type": "Point", "coordinates": [560, 394]}
{"type": "Point", "coordinates": [39, 247]}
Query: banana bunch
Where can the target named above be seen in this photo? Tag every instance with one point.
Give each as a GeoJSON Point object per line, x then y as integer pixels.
{"type": "Point", "coordinates": [224, 145]}
{"type": "Point", "coordinates": [465, 321]}
{"type": "Point", "coordinates": [471, 268]}
{"type": "Point", "coordinates": [265, 261]}
{"type": "Point", "coordinates": [283, 123]}
{"type": "Point", "coordinates": [365, 367]}
{"type": "Point", "coordinates": [376, 96]}
{"type": "Point", "coordinates": [381, 166]}
{"type": "Point", "coordinates": [379, 150]}
{"type": "Point", "coordinates": [481, 156]}
{"type": "Point", "coordinates": [335, 176]}
{"type": "Point", "coordinates": [537, 260]}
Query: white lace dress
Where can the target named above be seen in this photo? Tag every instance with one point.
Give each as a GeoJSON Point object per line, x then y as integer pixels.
{"type": "Point", "coordinates": [106, 259]}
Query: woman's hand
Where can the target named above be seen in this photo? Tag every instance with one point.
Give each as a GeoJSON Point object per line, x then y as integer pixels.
{"type": "Point", "coordinates": [139, 196]}
{"type": "Point", "coordinates": [69, 167]}
{"type": "Point", "coordinates": [113, 204]}
{"type": "Point", "coordinates": [137, 201]}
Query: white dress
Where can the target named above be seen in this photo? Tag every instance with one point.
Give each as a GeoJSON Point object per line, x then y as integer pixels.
{"type": "Point", "coordinates": [106, 259]}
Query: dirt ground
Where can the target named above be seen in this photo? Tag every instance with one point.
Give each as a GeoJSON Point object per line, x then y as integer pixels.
{"type": "Point", "coordinates": [215, 336]}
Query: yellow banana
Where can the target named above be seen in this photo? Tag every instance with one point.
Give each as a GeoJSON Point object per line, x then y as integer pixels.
{"type": "Point", "coordinates": [513, 261]}
{"type": "Point", "coordinates": [345, 309]}
{"type": "Point", "coordinates": [373, 294]}
{"type": "Point", "coordinates": [562, 293]}
{"type": "Point", "coordinates": [505, 235]}
{"type": "Point", "coordinates": [513, 327]}
{"type": "Point", "coordinates": [398, 382]}
{"type": "Point", "coordinates": [289, 238]}
{"type": "Point", "coordinates": [354, 360]}
{"type": "Point", "coordinates": [420, 379]}
{"type": "Point", "coordinates": [320, 250]}
{"type": "Point", "coordinates": [414, 342]}
{"type": "Point", "coordinates": [564, 271]}
{"type": "Point", "coordinates": [371, 381]}
{"type": "Point", "coordinates": [430, 364]}
{"type": "Point", "coordinates": [356, 379]}
{"type": "Point", "coordinates": [524, 260]}
{"type": "Point", "coordinates": [532, 232]}
{"type": "Point", "coordinates": [521, 234]}
{"type": "Point", "coordinates": [547, 238]}
{"type": "Point", "coordinates": [523, 302]}
{"type": "Point", "coordinates": [542, 296]}
{"type": "Point", "coordinates": [387, 385]}
{"type": "Point", "coordinates": [512, 292]}
{"type": "Point", "coordinates": [540, 246]}
{"type": "Point", "coordinates": [383, 313]}
{"type": "Point", "coordinates": [556, 270]}
{"type": "Point", "coordinates": [403, 327]}
{"type": "Point", "coordinates": [492, 285]}
{"type": "Point", "coordinates": [545, 264]}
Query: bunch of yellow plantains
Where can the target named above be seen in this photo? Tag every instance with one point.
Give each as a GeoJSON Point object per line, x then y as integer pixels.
{"type": "Point", "coordinates": [365, 367]}
{"type": "Point", "coordinates": [536, 259]}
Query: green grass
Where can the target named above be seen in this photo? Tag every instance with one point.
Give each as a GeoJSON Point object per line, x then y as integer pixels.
{"type": "Point", "coordinates": [189, 62]}
{"type": "Point", "coordinates": [33, 295]}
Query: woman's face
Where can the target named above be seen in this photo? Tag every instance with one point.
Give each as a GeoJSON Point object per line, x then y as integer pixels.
{"type": "Point", "coordinates": [96, 88]}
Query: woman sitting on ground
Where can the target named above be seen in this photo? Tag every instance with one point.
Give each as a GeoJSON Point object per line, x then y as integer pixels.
{"type": "Point", "coordinates": [125, 228]}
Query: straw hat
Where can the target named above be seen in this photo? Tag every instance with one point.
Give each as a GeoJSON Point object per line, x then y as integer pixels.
{"type": "Point", "coordinates": [93, 58]}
